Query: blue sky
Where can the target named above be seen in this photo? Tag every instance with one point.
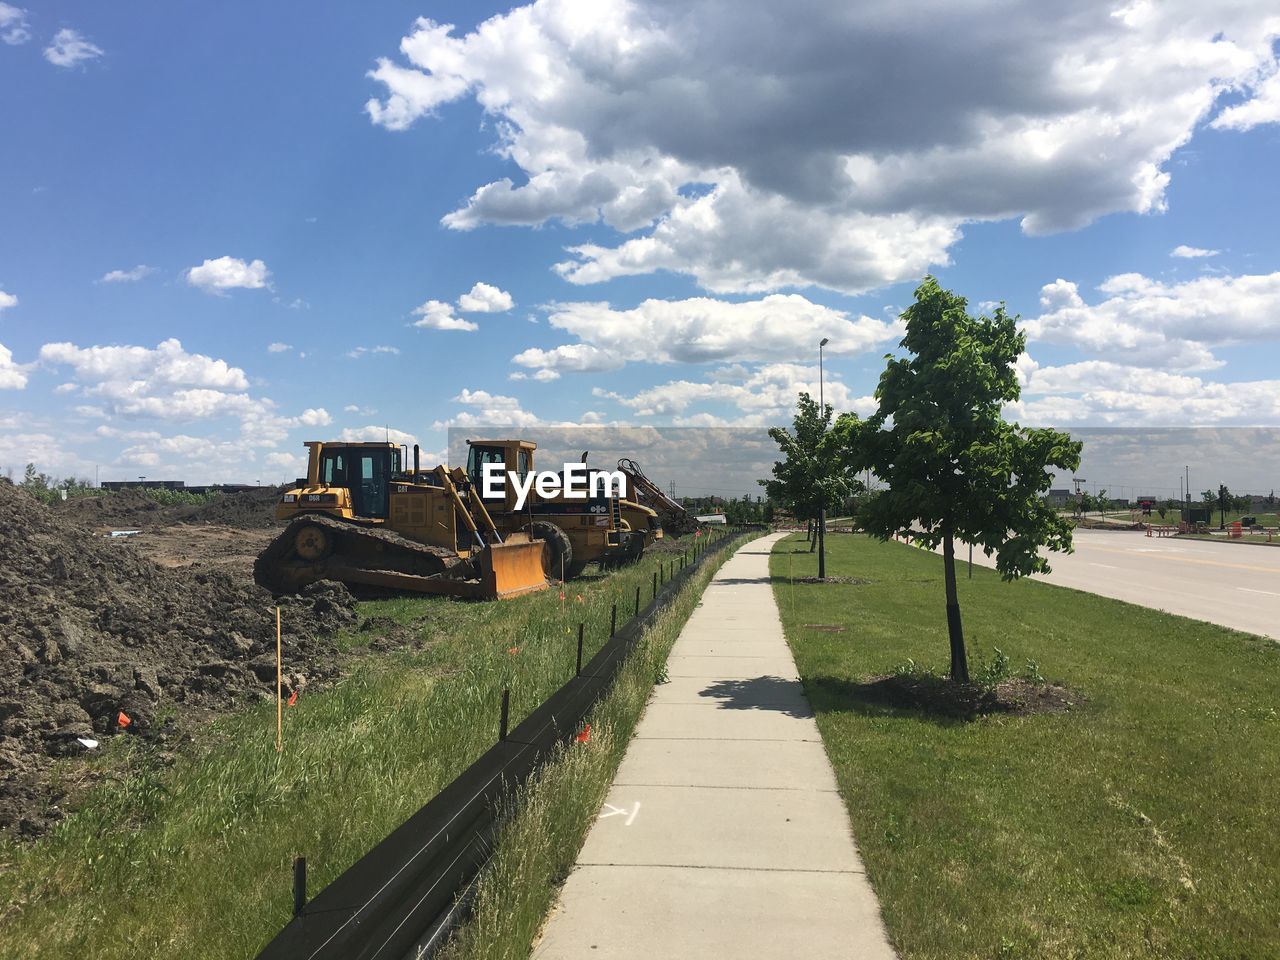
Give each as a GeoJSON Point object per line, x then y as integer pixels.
{"type": "Point", "coordinates": [309, 177]}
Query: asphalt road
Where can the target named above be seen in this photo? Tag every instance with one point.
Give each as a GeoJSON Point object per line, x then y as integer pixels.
{"type": "Point", "coordinates": [1235, 585]}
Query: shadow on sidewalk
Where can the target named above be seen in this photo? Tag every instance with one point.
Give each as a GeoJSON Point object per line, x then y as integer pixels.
{"type": "Point", "coordinates": [773, 694]}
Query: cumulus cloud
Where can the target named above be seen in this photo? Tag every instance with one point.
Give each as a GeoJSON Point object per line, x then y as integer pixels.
{"type": "Point", "coordinates": [763, 396]}
{"type": "Point", "coordinates": [228, 273]}
{"type": "Point", "coordinates": [376, 434]}
{"type": "Point", "coordinates": [7, 300]}
{"type": "Point", "coordinates": [1150, 323]}
{"type": "Point", "coordinates": [70, 47]}
{"type": "Point", "coordinates": [165, 383]}
{"type": "Point", "coordinates": [438, 315]}
{"type": "Point", "coordinates": [13, 25]}
{"type": "Point", "coordinates": [488, 410]}
{"type": "Point", "coordinates": [1184, 252]}
{"type": "Point", "coordinates": [13, 376]}
{"type": "Point", "coordinates": [700, 330]}
{"type": "Point", "coordinates": [128, 276]}
{"type": "Point", "coordinates": [1263, 106]}
{"type": "Point", "coordinates": [1102, 392]}
{"type": "Point", "coordinates": [753, 162]}
{"type": "Point", "coordinates": [485, 298]}
{"type": "Point", "coordinates": [359, 352]}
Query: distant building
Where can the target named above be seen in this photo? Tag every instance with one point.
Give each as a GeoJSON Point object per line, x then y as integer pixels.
{"type": "Point", "coordinates": [1058, 498]}
{"type": "Point", "coordinates": [145, 484]}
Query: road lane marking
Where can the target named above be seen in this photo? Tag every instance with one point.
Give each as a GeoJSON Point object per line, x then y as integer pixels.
{"type": "Point", "coordinates": [1106, 565]}
{"type": "Point", "coordinates": [1206, 563]}
{"type": "Point", "coordinates": [1269, 593]}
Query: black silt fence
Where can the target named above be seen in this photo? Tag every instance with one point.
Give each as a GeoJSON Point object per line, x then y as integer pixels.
{"type": "Point", "coordinates": [409, 891]}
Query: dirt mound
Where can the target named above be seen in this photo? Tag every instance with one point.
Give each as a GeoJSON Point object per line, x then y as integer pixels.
{"type": "Point", "coordinates": [89, 628]}
{"type": "Point", "coordinates": [246, 509]}
{"type": "Point", "coordinates": [134, 510]}
{"type": "Point", "coordinates": [122, 510]}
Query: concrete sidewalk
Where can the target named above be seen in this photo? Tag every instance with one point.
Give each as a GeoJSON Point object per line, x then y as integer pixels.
{"type": "Point", "coordinates": [723, 834]}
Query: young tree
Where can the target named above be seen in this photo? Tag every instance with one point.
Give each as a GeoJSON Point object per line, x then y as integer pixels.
{"type": "Point", "coordinates": [954, 468]}
{"type": "Point", "coordinates": [813, 473]}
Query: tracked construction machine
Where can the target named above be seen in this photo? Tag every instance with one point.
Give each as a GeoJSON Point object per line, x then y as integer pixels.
{"type": "Point", "coordinates": [675, 519]}
{"type": "Point", "coordinates": [364, 517]}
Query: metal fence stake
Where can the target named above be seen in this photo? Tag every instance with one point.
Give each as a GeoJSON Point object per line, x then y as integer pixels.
{"type": "Point", "coordinates": [613, 620]}
{"type": "Point", "coordinates": [299, 885]}
{"type": "Point", "coordinates": [655, 584]}
{"type": "Point", "coordinates": [506, 713]}
{"type": "Point", "coordinates": [579, 673]}
{"type": "Point", "coordinates": [637, 613]}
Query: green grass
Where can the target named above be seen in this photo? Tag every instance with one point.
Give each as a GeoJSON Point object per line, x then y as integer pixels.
{"type": "Point", "coordinates": [1142, 823]}
{"type": "Point", "coordinates": [190, 856]}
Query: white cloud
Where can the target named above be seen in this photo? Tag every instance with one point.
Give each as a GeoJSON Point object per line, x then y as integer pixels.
{"type": "Point", "coordinates": [763, 396]}
{"type": "Point", "coordinates": [363, 411]}
{"type": "Point", "coordinates": [1149, 323]}
{"type": "Point", "coordinates": [376, 434]}
{"type": "Point", "coordinates": [279, 347]}
{"type": "Point", "coordinates": [228, 273]}
{"type": "Point", "coordinates": [165, 383]}
{"type": "Point", "coordinates": [1101, 392]}
{"type": "Point", "coordinates": [438, 315]}
{"type": "Point", "coordinates": [291, 464]}
{"type": "Point", "coordinates": [1182, 251]}
{"type": "Point", "coordinates": [13, 25]}
{"type": "Point", "coordinates": [700, 330]}
{"type": "Point", "coordinates": [489, 410]}
{"type": "Point", "coordinates": [7, 300]}
{"type": "Point", "coordinates": [127, 276]}
{"type": "Point", "coordinates": [70, 47]}
{"type": "Point", "coordinates": [755, 146]}
{"type": "Point", "coordinates": [485, 298]}
{"type": "Point", "coordinates": [13, 376]}
{"type": "Point", "coordinates": [1262, 107]}
{"type": "Point", "coordinates": [359, 352]}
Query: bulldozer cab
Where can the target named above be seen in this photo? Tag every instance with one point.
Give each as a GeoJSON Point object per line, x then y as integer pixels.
{"type": "Point", "coordinates": [365, 470]}
{"type": "Point", "coordinates": [514, 455]}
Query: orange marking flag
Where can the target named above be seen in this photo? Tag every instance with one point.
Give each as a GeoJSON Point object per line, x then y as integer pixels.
{"type": "Point", "coordinates": [584, 736]}
{"type": "Point", "coordinates": [123, 719]}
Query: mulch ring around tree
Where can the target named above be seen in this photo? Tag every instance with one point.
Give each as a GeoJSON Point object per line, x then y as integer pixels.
{"type": "Point", "coordinates": [939, 697]}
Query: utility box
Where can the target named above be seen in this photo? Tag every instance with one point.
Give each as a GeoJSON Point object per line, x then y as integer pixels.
{"type": "Point", "coordinates": [1196, 514]}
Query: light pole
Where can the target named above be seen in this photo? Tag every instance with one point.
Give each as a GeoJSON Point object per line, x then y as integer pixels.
{"type": "Point", "coordinates": [822, 504]}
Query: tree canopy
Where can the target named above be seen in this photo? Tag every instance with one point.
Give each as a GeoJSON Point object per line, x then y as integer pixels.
{"type": "Point", "coordinates": [953, 467]}
{"type": "Point", "coordinates": [813, 472]}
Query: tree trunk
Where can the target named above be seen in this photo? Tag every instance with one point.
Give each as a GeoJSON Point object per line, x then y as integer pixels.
{"type": "Point", "coordinates": [822, 543]}
{"type": "Point", "coordinates": [955, 631]}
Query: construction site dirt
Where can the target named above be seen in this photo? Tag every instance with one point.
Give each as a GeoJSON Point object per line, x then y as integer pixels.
{"type": "Point", "coordinates": [95, 629]}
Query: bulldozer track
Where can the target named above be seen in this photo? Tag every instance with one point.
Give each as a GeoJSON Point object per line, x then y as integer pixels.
{"type": "Point", "coordinates": [401, 555]}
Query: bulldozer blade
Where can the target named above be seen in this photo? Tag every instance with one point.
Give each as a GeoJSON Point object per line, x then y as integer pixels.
{"type": "Point", "coordinates": [512, 568]}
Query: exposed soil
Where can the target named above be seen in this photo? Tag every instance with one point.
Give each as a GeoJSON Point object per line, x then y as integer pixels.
{"type": "Point", "coordinates": [938, 697]}
{"type": "Point", "coordinates": [135, 510]}
{"type": "Point", "coordinates": [91, 627]}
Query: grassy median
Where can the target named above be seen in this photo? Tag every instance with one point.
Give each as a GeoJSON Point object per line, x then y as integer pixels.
{"type": "Point", "coordinates": [1140, 822]}
{"type": "Point", "coordinates": [188, 855]}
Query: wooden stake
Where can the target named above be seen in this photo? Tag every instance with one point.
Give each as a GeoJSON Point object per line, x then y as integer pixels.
{"type": "Point", "coordinates": [279, 689]}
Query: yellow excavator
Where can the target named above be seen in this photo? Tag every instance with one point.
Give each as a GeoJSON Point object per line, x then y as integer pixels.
{"type": "Point", "coordinates": [364, 517]}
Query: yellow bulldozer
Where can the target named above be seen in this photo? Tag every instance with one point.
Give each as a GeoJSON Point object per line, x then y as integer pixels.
{"type": "Point", "coordinates": [365, 517]}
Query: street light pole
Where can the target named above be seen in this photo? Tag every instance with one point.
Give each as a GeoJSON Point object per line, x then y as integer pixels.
{"type": "Point", "coordinates": [822, 504]}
